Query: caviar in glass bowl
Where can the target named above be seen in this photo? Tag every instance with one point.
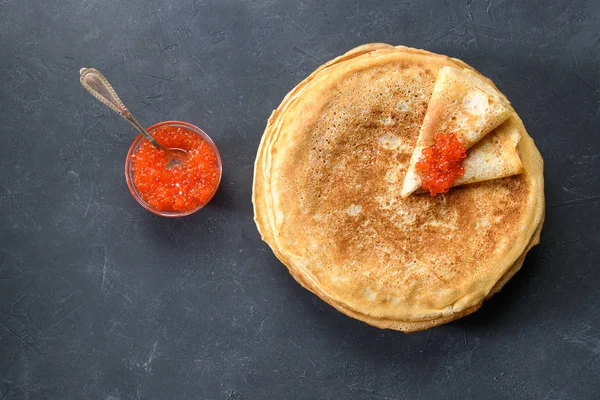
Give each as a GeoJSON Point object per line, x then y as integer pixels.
{"type": "Point", "coordinates": [180, 190]}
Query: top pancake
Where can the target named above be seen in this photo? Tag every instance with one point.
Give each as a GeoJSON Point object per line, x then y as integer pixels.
{"type": "Point", "coordinates": [327, 196]}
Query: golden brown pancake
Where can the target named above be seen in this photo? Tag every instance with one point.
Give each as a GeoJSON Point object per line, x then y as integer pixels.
{"type": "Point", "coordinates": [495, 156]}
{"type": "Point", "coordinates": [463, 105]}
{"type": "Point", "coordinates": [327, 197]}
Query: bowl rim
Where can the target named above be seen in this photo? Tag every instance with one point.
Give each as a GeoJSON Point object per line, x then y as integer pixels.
{"type": "Point", "coordinates": [129, 173]}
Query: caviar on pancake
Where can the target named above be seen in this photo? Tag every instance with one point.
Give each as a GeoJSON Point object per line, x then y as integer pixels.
{"type": "Point", "coordinates": [183, 187]}
{"type": "Point", "coordinates": [441, 164]}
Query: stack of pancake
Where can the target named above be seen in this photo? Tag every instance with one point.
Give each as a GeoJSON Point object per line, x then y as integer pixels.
{"type": "Point", "coordinates": [328, 195]}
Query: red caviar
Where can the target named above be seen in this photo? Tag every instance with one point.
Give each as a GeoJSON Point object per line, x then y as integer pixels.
{"type": "Point", "coordinates": [183, 187]}
{"type": "Point", "coordinates": [441, 164]}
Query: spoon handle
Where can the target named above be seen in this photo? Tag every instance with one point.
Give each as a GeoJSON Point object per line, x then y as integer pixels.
{"type": "Point", "coordinates": [95, 83]}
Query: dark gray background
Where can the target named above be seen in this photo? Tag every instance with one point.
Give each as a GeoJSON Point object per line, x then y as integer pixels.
{"type": "Point", "coordinates": [99, 299]}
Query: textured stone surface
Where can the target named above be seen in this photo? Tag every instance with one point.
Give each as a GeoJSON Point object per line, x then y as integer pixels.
{"type": "Point", "coordinates": [101, 300]}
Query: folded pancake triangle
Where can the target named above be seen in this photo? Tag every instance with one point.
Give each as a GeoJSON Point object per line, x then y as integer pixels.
{"type": "Point", "coordinates": [469, 107]}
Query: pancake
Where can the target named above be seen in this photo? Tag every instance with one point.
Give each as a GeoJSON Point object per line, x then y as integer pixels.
{"type": "Point", "coordinates": [463, 105]}
{"type": "Point", "coordinates": [327, 196]}
{"type": "Point", "coordinates": [495, 156]}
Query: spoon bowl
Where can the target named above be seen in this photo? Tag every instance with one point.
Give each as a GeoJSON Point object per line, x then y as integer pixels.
{"type": "Point", "coordinates": [175, 157]}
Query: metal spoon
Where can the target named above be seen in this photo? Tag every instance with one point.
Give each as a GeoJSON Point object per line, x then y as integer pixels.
{"type": "Point", "coordinates": [95, 83]}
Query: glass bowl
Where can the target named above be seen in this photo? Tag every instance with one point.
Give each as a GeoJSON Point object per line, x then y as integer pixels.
{"type": "Point", "coordinates": [129, 173]}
